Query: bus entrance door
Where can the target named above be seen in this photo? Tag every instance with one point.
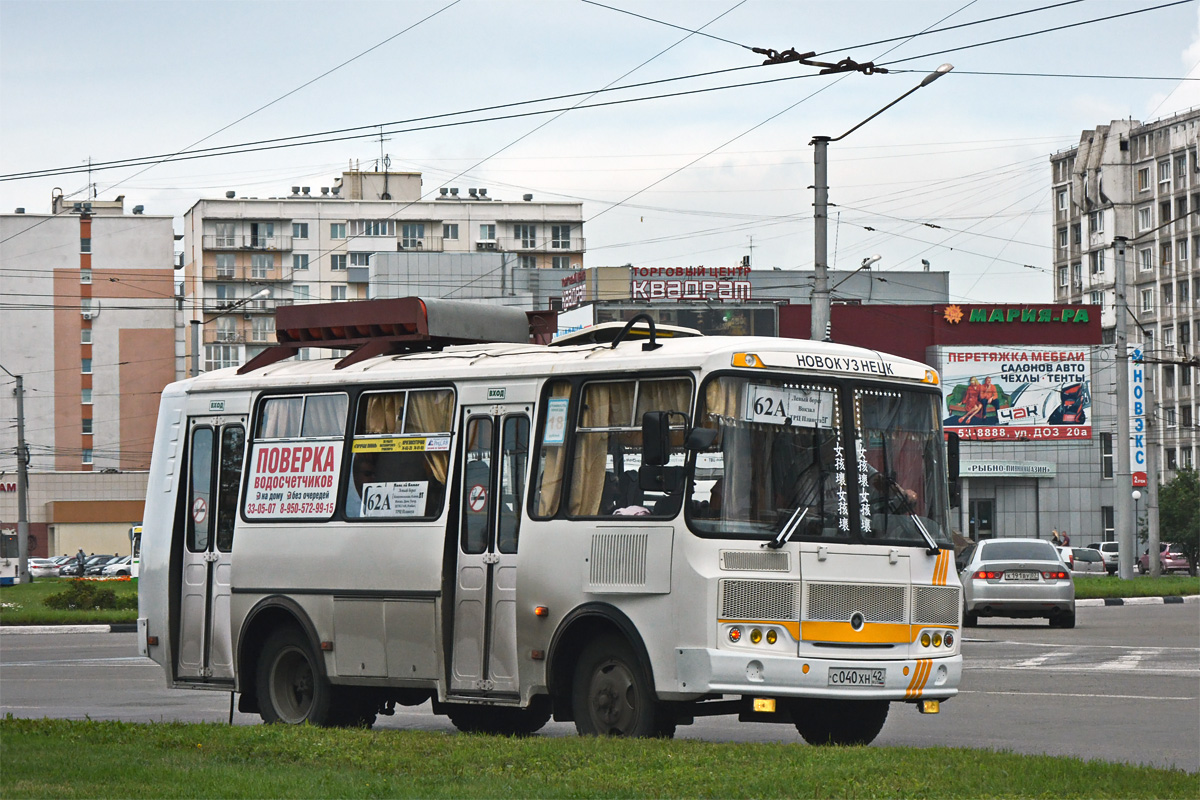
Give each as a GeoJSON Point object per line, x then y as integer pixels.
{"type": "Point", "coordinates": [216, 449]}
{"type": "Point", "coordinates": [492, 489]}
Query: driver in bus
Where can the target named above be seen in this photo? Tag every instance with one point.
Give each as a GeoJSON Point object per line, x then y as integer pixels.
{"type": "Point", "coordinates": [362, 471]}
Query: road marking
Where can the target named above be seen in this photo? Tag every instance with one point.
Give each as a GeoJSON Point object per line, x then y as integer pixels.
{"type": "Point", "coordinates": [1036, 661]}
{"type": "Point", "coordinates": [1068, 694]}
{"type": "Point", "coordinates": [123, 661]}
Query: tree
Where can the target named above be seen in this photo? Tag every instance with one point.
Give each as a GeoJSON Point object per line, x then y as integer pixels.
{"type": "Point", "coordinates": [1179, 513]}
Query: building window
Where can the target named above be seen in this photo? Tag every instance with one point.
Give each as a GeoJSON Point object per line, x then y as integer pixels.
{"type": "Point", "coordinates": [337, 230]}
{"type": "Point", "coordinates": [1097, 261]}
{"type": "Point", "coordinates": [1185, 457]}
{"type": "Point", "coordinates": [1146, 259]}
{"type": "Point", "coordinates": [527, 262]}
{"type": "Point", "coordinates": [360, 259]}
{"type": "Point", "coordinates": [225, 235]}
{"type": "Point", "coordinates": [261, 264]}
{"type": "Point", "coordinates": [262, 234]}
{"type": "Point", "coordinates": [1077, 233]}
{"type": "Point", "coordinates": [261, 329]}
{"type": "Point", "coordinates": [87, 455]}
{"type": "Point", "coordinates": [561, 262]}
{"type": "Point", "coordinates": [560, 237]}
{"type": "Point", "coordinates": [85, 336]}
{"type": "Point", "coordinates": [221, 356]}
{"type": "Point", "coordinates": [1147, 301]}
{"type": "Point", "coordinates": [86, 396]}
{"type": "Point", "coordinates": [87, 426]}
{"type": "Point", "coordinates": [1164, 212]}
{"type": "Point", "coordinates": [1164, 255]}
{"type": "Point", "coordinates": [225, 265]}
{"type": "Point", "coordinates": [1185, 328]}
{"type": "Point", "coordinates": [300, 292]}
{"type": "Point", "coordinates": [85, 304]}
{"type": "Point", "coordinates": [337, 293]}
{"type": "Point", "coordinates": [85, 245]}
{"type": "Point", "coordinates": [1062, 238]}
{"type": "Point", "coordinates": [1143, 179]}
{"type": "Point", "coordinates": [1144, 222]}
{"type": "Point", "coordinates": [1077, 275]}
{"type": "Point", "coordinates": [1168, 378]}
{"type": "Point", "coordinates": [1106, 455]}
{"type": "Point", "coordinates": [1107, 523]}
{"type": "Point", "coordinates": [1185, 416]}
{"type": "Point", "coordinates": [1181, 168]}
{"type": "Point", "coordinates": [1063, 278]}
{"type": "Point", "coordinates": [1172, 462]}
{"type": "Point", "coordinates": [85, 366]}
{"type": "Point", "coordinates": [1096, 298]}
{"type": "Point", "coordinates": [227, 330]}
{"type": "Point", "coordinates": [450, 230]}
{"type": "Point", "coordinates": [337, 262]}
{"type": "Point", "coordinates": [299, 262]}
{"type": "Point", "coordinates": [299, 230]}
{"type": "Point", "coordinates": [487, 232]}
{"type": "Point", "coordinates": [1168, 300]}
{"type": "Point", "coordinates": [1181, 250]}
{"type": "Point", "coordinates": [1180, 207]}
{"type": "Point", "coordinates": [1061, 199]}
{"type": "Point", "coordinates": [1096, 222]}
{"type": "Point", "coordinates": [1164, 176]}
{"type": "Point", "coordinates": [373, 227]}
{"type": "Point", "coordinates": [526, 234]}
{"type": "Point", "coordinates": [412, 234]}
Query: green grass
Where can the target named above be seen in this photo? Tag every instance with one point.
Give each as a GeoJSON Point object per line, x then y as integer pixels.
{"type": "Point", "coordinates": [68, 759]}
{"type": "Point", "coordinates": [1139, 586]}
{"type": "Point", "coordinates": [21, 604]}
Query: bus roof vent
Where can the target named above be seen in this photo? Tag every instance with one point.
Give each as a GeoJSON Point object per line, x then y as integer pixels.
{"type": "Point", "coordinates": [389, 327]}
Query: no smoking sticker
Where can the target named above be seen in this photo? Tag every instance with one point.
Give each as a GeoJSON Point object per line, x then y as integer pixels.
{"type": "Point", "coordinates": [477, 498]}
{"type": "Point", "coordinates": [199, 510]}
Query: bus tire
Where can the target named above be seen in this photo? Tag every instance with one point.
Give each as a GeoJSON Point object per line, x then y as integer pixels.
{"type": "Point", "coordinates": [291, 688]}
{"type": "Point", "coordinates": [839, 722]}
{"type": "Point", "coordinates": [499, 721]}
{"type": "Point", "coordinates": [613, 694]}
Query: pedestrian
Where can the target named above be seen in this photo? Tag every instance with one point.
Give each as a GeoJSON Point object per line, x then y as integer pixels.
{"type": "Point", "coordinates": [80, 558]}
{"type": "Point", "coordinates": [1066, 540]}
{"type": "Point", "coordinates": [1054, 540]}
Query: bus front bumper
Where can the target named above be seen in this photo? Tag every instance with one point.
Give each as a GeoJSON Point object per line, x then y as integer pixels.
{"type": "Point", "coordinates": [704, 671]}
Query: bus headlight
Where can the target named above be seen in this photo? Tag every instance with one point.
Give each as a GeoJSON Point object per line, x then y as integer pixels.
{"type": "Point", "coordinates": [755, 636]}
{"type": "Point", "coordinates": [772, 636]}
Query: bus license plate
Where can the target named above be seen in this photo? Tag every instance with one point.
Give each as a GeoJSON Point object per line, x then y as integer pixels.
{"type": "Point", "coordinates": [855, 677]}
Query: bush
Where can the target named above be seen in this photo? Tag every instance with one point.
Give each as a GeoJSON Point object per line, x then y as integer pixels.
{"type": "Point", "coordinates": [81, 594]}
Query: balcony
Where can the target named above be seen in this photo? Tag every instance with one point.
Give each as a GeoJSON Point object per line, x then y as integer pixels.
{"type": "Point", "coordinates": [246, 241]}
{"type": "Point", "coordinates": [576, 244]}
{"type": "Point", "coordinates": [224, 305]}
{"type": "Point", "coordinates": [224, 337]}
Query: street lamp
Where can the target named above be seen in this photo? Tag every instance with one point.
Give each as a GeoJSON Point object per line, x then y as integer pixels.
{"type": "Point", "coordinates": [1133, 539]}
{"type": "Point", "coordinates": [261, 294]}
{"type": "Point", "coordinates": [820, 294]}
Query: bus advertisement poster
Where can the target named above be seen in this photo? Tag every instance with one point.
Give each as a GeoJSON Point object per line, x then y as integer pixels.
{"type": "Point", "coordinates": [1017, 393]}
{"type": "Point", "coordinates": [293, 480]}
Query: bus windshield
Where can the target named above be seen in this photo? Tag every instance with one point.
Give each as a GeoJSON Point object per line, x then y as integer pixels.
{"type": "Point", "coordinates": [784, 459]}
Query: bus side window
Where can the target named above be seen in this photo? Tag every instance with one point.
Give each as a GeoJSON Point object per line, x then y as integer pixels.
{"type": "Point", "coordinates": [477, 482]}
{"type": "Point", "coordinates": [552, 460]}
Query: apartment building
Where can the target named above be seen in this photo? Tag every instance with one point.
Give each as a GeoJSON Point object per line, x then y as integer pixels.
{"type": "Point", "coordinates": [246, 256]}
{"type": "Point", "coordinates": [88, 321]}
{"type": "Point", "coordinates": [1140, 181]}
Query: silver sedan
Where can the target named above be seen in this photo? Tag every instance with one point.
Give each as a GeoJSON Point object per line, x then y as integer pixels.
{"type": "Point", "coordinates": [1016, 578]}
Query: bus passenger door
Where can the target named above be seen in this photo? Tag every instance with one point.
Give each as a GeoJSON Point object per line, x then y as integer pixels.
{"type": "Point", "coordinates": [205, 647]}
{"type": "Point", "coordinates": [492, 490]}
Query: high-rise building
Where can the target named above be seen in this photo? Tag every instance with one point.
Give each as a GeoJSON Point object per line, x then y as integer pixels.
{"type": "Point", "coordinates": [1140, 181]}
{"type": "Point", "coordinates": [246, 256]}
{"type": "Point", "coordinates": [87, 318]}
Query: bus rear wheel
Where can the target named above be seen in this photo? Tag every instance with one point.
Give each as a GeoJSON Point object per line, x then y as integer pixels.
{"type": "Point", "coordinates": [839, 722]}
{"type": "Point", "coordinates": [613, 694]}
{"type": "Point", "coordinates": [290, 686]}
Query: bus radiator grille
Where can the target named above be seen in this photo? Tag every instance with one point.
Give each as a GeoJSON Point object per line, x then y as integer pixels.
{"type": "Point", "coordinates": [754, 561]}
{"type": "Point", "coordinates": [760, 600]}
{"type": "Point", "coordinates": [837, 602]}
{"type": "Point", "coordinates": [935, 605]}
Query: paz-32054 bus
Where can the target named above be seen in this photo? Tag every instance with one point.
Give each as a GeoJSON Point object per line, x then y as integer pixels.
{"type": "Point", "coordinates": [627, 529]}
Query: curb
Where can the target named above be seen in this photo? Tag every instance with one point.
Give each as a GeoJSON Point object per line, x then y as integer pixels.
{"type": "Point", "coordinates": [1137, 601]}
{"type": "Point", "coordinates": [116, 627]}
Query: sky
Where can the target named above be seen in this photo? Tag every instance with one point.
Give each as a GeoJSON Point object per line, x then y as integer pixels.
{"type": "Point", "coordinates": [957, 173]}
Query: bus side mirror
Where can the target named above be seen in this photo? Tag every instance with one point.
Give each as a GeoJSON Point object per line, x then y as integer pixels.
{"type": "Point", "coordinates": [955, 485]}
{"type": "Point", "coordinates": [700, 439]}
{"type": "Point", "coordinates": [656, 443]}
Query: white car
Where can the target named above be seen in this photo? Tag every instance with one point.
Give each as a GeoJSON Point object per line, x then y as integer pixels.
{"type": "Point", "coordinates": [1110, 551]}
{"type": "Point", "coordinates": [117, 568]}
{"type": "Point", "coordinates": [1084, 561]}
{"type": "Point", "coordinates": [43, 568]}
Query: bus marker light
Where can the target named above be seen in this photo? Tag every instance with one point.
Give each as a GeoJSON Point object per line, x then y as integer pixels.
{"type": "Point", "coordinates": [906, 670]}
{"type": "Point", "coordinates": [538, 655]}
{"type": "Point", "coordinates": [327, 647]}
{"type": "Point", "coordinates": [924, 640]}
{"type": "Point", "coordinates": [735, 634]}
{"type": "Point", "coordinates": [804, 669]}
{"type": "Point", "coordinates": [747, 360]}
{"type": "Point", "coordinates": [765, 705]}
{"type": "Point", "coordinates": [772, 636]}
{"type": "Point", "coordinates": [152, 641]}
{"type": "Point", "coordinates": [929, 706]}
{"type": "Point", "coordinates": [756, 636]}
{"type": "Point", "coordinates": [937, 640]}
{"type": "Point", "coordinates": [541, 611]}
{"type": "Point", "coordinates": [949, 640]}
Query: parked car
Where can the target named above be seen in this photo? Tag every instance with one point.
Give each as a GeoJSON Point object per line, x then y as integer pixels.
{"type": "Point", "coordinates": [1086, 561]}
{"type": "Point", "coordinates": [1111, 553]}
{"type": "Point", "coordinates": [43, 568]}
{"type": "Point", "coordinates": [1170, 556]}
{"type": "Point", "coordinates": [117, 567]}
{"type": "Point", "coordinates": [1066, 555]}
{"type": "Point", "coordinates": [96, 568]}
{"type": "Point", "coordinates": [71, 568]}
{"type": "Point", "coordinates": [1020, 578]}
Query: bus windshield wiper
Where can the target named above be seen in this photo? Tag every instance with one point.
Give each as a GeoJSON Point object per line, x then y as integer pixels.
{"type": "Point", "coordinates": [786, 533]}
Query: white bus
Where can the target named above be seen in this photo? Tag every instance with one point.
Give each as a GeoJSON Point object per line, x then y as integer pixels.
{"type": "Point", "coordinates": [624, 529]}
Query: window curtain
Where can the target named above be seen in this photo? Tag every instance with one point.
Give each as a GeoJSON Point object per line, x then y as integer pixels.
{"type": "Point", "coordinates": [553, 460]}
{"type": "Point", "coordinates": [324, 415]}
{"type": "Point", "coordinates": [384, 412]}
{"type": "Point", "coordinates": [605, 405]}
{"type": "Point", "coordinates": [430, 412]}
{"type": "Point", "coordinates": [281, 418]}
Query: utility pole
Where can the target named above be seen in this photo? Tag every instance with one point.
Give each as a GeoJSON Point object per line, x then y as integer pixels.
{"type": "Point", "coordinates": [1152, 483]}
{"type": "Point", "coordinates": [22, 483]}
{"type": "Point", "coordinates": [819, 303]}
{"type": "Point", "coordinates": [1126, 537]}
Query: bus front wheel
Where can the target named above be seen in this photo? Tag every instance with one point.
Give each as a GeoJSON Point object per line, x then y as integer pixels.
{"type": "Point", "coordinates": [842, 722]}
{"type": "Point", "coordinates": [613, 694]}
{"type": "Point", "coordinates": [290, 686]}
